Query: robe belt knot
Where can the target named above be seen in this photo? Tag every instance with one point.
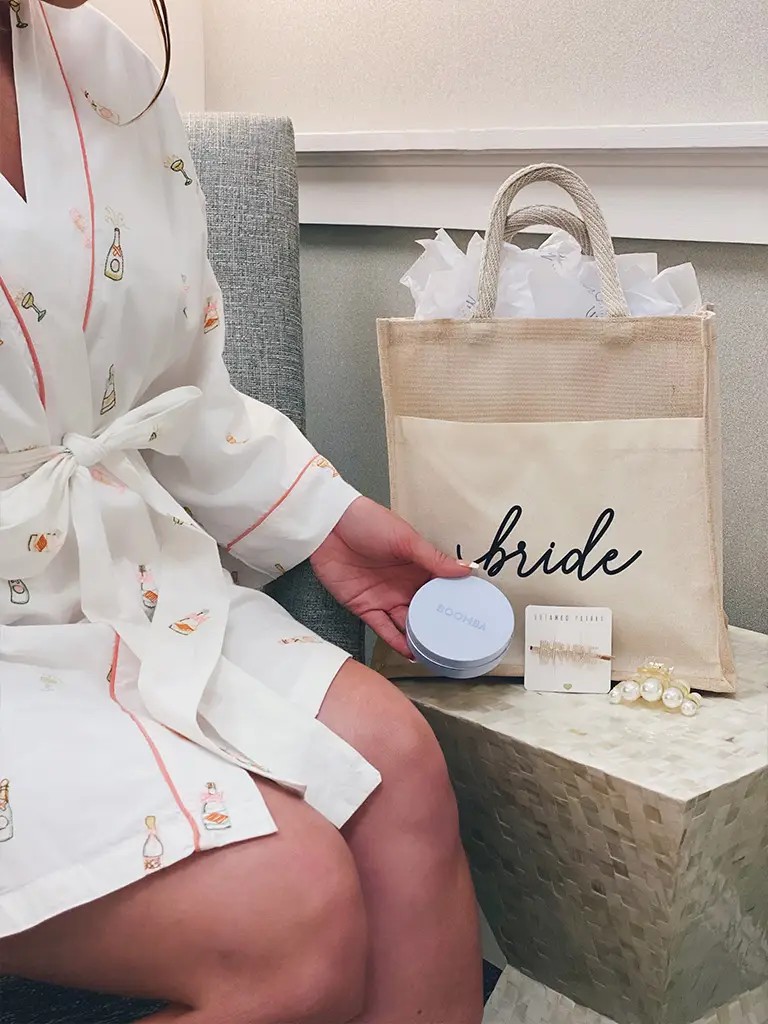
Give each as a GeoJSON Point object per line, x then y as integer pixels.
{"type": "Point", "coordinates": [86, 451]}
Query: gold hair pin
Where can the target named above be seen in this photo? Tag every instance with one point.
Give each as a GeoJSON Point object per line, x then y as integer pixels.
{"type": "Point", "coordinates": [553, 651]}
{"type": "Point", "coordinates": [655, 682]}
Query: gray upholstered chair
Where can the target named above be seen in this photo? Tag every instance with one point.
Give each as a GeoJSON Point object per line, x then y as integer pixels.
{"type": "Point", "coordinates": [247, 167]}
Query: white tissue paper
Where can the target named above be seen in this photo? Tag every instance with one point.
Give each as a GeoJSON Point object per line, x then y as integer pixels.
{"type": "Point", "coordinates": [556, 280]}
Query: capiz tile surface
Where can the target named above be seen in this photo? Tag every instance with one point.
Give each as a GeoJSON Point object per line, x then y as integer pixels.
{"type": "Point", "coordinates": [676, 756]}
{"type": "Point", "coordinates": [520, 1000]}
{"type": "Point", "coordinates": [620, 854]}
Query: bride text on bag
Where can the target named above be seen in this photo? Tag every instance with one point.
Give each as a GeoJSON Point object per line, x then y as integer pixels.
{"type": "Point", "coordinates": [576, 560]}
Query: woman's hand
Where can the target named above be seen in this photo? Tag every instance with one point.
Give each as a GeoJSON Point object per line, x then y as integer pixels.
{"type": "Point", "coordinates": [374, 562]}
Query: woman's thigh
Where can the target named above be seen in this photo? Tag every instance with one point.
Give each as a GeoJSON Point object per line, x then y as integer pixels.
{"type": "Point", "coordinates": [250, 911]}
{"type": "Point", "coordinates": [286, 906]}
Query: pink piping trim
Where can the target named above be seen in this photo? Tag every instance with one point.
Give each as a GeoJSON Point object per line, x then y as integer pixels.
{"type": "Point", "coordinates": [86, 169]}
{"type": "Point", "coordinates": [28, 339]}
{"type": "Point", "coordinates": [155, 752]}
{"type": "Point", "coordinates": [269, 511]}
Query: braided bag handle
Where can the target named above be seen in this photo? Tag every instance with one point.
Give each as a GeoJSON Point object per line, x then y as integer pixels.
{"type": "Point", "coordinates": [594, 222]}
{"type": "Point", "coordinates": [550, 216]}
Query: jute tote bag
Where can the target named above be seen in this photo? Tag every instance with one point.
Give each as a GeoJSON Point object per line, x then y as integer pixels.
{"type": "Point", "coordinates": [578, 461]}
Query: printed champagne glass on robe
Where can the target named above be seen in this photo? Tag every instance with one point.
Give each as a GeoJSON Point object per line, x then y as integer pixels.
{"type": "Point", "coordinates": [16, 8]}
{"type": "Point", "coordinates": [178, 167]}
{"type": "Point", "coordinates": [28, 302]}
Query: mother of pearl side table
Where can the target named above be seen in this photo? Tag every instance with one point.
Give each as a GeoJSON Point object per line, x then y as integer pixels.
{"type": "Point", "coordinates": [620, 853]}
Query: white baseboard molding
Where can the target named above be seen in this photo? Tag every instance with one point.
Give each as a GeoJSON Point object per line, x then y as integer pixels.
{"type": "Point", "coordinates": [697, 182]}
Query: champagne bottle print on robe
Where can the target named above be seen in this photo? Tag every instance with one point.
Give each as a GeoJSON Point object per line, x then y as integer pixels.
{"type": "Point", "coordinates": [190, 624]}
{"type": "Point", "coordinates": [41, 542]}
{"type": "Point", "coordinates": [215, 814]}
{"type": "Point", "coordinates": [114, 265]}
{"type": "Point", "coordinates": [105, 113]}
{"type": "Point", "coordinates": [109, 401]}
{"type": "Point", "coordinates": [19, 591]}
{"type": "Point", "coordinates": [211, 319]}
{"type": "Point", "coordinates": [153, 848]}
{"type": "Point", "coordinates": [6, 815]}
{"type": "Point", "coordinates": [148, 591]}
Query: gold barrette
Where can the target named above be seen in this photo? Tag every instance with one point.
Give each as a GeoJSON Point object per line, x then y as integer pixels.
{"type": "Point", "coordinates": [552, 650]}
{"type": "Point", "coordinates": [656, 682]}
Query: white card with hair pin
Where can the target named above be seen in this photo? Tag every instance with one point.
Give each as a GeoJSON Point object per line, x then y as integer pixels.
{"type": "Point", "coordinates": [568, 650]}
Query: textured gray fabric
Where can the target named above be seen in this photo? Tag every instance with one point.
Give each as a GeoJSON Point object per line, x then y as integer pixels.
{"type": "Point", "coordinates": [247, 168]}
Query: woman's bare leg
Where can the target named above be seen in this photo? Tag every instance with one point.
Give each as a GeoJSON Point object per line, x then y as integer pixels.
{"type": "Point", "coordinates": [424, 960]}
{"type": "Point", "coordinates": [264, 932]}
{"type": "Point", "coordinates": [274, 930]}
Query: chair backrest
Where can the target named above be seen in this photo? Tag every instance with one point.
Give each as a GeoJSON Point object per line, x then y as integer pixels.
{"type": "Point", "coordinates": [247, 169]}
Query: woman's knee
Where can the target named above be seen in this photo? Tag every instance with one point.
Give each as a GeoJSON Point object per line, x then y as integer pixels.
{"type": "Point", "coordinates": [326, 960]}
{"type": "Point", "coordinates": [386, 728]}
{"type": "Point", "coordinates": [308, 960]}
{"type": "Point", "coordinates": [416, 774]}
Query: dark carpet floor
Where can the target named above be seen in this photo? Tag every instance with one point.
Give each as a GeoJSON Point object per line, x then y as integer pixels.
{"type": "Point", "coordinates": [491, 975]}
{"type": "Point", "coordinates": [22, 1002]}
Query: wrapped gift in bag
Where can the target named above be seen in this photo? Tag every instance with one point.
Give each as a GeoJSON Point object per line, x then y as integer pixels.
{"type": "Point", "coordinates": [576, 460]}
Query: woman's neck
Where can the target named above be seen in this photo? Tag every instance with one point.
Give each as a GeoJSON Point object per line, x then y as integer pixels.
{"type": "Point", "coordinates": [10, 141]}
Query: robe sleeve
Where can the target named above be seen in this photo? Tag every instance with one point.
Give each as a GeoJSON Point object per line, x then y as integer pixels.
{"type": "Point", "coordinates": [247, 475]}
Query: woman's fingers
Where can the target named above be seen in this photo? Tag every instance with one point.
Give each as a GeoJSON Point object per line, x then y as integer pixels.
{"type": "Point", "coordinates": [383, 626]}
{"type": "Point", "coordinates": [399, 616]}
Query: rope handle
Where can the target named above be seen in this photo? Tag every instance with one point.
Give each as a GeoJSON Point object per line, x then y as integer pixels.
{"type": "Point", "coordinates": [594, 222]}
{"type": "Point", "coordinates": [549, 216]}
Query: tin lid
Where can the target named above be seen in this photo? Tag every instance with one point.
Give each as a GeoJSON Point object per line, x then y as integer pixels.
{"type": "Point", "coordinates": [463, 623]}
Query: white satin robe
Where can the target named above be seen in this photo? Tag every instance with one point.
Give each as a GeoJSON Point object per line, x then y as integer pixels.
{"type": "Point", "coordinates": [139, 687]}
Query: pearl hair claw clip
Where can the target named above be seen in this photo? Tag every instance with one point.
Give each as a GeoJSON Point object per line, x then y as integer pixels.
{"type": "Point", "coordinates": [655, 682]}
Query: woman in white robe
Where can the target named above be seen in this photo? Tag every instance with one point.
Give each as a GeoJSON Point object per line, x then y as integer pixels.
{"type": "Point", "coordinates": [150, 710]}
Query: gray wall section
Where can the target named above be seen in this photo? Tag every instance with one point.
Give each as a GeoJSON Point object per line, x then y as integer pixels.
{"type": "Point", "coordinates": [350, 277]}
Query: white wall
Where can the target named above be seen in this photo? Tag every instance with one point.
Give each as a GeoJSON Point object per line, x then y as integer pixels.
{"type": "Point", "coordinates": [188, 67]}
{"type": "Point", "coordinates": [338, 65]}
